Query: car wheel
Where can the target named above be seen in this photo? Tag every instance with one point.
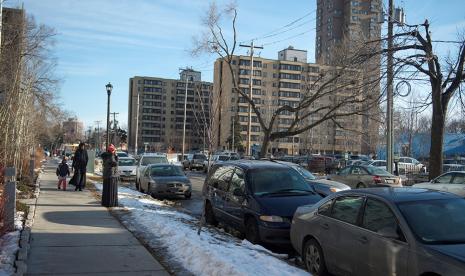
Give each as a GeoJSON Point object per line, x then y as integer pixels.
{"type": "Point", "coordinates": [252, 233]}
{"type": "Point", "coordinates": [361, 185]}
{"type": "Point", "coordinates": [313, 258]}
{"type": "Point", "coordinates": [188, 195]}
{"type": "Point", "coordinates": [209, 215]}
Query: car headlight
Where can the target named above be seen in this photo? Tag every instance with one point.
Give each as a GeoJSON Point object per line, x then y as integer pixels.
{"type": "Point", "coordinates": [334, 190]}
{"type": "Point", "coordinates": [271, 218]}
{"type": "Point", "coordinates": [133, 171]}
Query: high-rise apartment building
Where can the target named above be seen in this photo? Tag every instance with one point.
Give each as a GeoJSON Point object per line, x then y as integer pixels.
{"type": "Point", "coordinates": [343, 25]}
{"type": "Point", "coordinates": [12, 34]}
{"type": "Point", "coordinates": [279, 82]}
{"type": "Point", "coordinates": [156, 112]}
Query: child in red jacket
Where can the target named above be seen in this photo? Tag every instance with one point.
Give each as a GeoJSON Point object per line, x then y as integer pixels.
{"type": "Point", "coordinates": [62, 172]}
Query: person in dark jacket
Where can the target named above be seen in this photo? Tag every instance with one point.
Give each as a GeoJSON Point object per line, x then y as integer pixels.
{"type": "Point", "coordinates": [62, 172]}
{"type": "Point", "coordinates": [79, 165]}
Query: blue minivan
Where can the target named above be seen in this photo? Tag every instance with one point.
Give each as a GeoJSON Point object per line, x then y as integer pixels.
{"type": "Point", "coordinates": [257, 198]}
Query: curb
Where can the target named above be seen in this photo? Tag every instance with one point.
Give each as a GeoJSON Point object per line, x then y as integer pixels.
{"type": "Point", "coordinates": [25, 237]}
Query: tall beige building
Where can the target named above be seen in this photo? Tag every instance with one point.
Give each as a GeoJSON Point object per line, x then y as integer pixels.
{"type": "Point", "coordinates": [156, 112]}
{"type": "Point", "coordinates": [278, 82]}
{"type": "Point", "coordinates": [347, 24]}
{"type": "Point", "coordinates": [73, 131]}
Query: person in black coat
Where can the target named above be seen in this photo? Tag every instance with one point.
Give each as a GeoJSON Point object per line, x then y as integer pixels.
{"type": "Point", "coordinates": [80, 166]}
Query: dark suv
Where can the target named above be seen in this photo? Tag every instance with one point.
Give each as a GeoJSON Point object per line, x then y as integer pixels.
{"type": "Point", "coordinates": [258, 198]}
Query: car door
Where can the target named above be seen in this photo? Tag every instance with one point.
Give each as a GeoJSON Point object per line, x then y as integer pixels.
{"type": "Point", "coordinates": [233, 203]}
{"type": "Point", "coordinates": [442, 182]}
{"type": "Point", "coordinates": [345, 213]}
{"type": "Point", "coordinates": [378, 253]}
{"type": "Point", "coordinates": [357, 176]}
{"type": "Point", "coordinates": [145, 179]}
{"type": "Point", "coordinates": [457, 185]}
{"type": "Point", "coordinates": [219, 184]}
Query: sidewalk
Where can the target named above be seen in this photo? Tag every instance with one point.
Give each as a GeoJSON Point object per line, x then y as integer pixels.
{"type": "Point", "coordinates": [72, 234]}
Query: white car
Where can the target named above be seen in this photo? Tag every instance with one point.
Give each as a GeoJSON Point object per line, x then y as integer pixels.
{"type": "Point", "coordinates": [127, 168]}
{"type": "Point", "coordinates": [146, 159]}
{"type": "Point", "coordinates": [409, 165]}
{"type": "Point", "coordinates": [216, 159]}
{"type": "Point", "coordinates": [174, 158]}
{"type": "Point", "coordinates": [452, 182]}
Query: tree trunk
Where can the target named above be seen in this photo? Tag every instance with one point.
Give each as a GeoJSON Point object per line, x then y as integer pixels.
{"type": "Point", "coordinates": [437, 140]}
{"type": "Point", "coordinates": [265, 145]}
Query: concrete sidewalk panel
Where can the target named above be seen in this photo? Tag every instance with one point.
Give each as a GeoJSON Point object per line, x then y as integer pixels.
{"type": "Point", "coordinates": [48, 238]}
{"type": "Point", "coordinates": [91, 259]}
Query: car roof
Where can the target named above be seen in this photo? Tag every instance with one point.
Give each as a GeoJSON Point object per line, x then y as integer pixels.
{"type": "Point", "coordinates": [153, 154]}
{"type": "Point", "coordinates": [255, 164]}
{"type": "Point", "coordinates": [126, 158]}
{"type": "Point", "coordinates": [402, 194]}
{"type": "Point", "coordinates": [161, 165]}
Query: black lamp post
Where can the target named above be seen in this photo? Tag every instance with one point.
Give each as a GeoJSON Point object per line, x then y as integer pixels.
{"type": "Point", "coordinates": [109, 87]}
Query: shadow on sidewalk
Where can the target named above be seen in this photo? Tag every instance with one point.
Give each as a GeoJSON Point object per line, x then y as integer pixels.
{"type": "Point", "coordinates": [91, 218]}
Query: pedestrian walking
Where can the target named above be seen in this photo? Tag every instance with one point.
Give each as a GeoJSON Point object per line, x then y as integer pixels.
{"type": "Point", "coordinates": [62, 172]}
{"type": "Point", "coordinates": [79, 165]}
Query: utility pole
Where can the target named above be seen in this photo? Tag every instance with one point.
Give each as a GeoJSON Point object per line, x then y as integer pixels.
{"type": "Point", "coordinates": [1, 25]}
{"type": "Point", "coordinates": [137, 124]}
{"type": "Point", "coordinates": [114, 126]}
{"type": "Point", "coordinates": [390, 90]}
{"type": "Point", "coordinates": [98, 135]}
{"type": "Point", "coordinates": [185, 112]}
{"type": "Point", "coordinates": [249, 126]}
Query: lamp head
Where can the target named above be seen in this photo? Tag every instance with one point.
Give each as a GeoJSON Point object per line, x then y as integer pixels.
{"type": "Point", "coordinates": [109, 87]}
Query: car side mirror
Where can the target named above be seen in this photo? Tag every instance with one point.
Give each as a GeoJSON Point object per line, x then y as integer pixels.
{"type": "Point", "coordinates": [238, 192]}
{"type": "Point", "coordinates": [389, 232]}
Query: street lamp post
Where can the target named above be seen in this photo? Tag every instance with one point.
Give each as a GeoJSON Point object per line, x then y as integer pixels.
{"type": "Point", "coordinates": [109, 88]}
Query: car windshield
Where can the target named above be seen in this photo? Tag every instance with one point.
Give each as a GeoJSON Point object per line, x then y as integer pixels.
{"type": "Point", "coordinates": [199, 156]}
{"type": "Point", "coordinates": [166, 171]}
{"type": "Point", "coordinates": [438, 221]}
{"type": "Point", "coordinates": [223, 158]}
{"type": "Point", "coordinates": [306, 174]}
{"type": "Point", "coordinates": [126, 162]}
{"type": "Point", "coordinates": [122, 154]}
{"type": "Point", "coordinates": [277, 181]}
{"type": "Point", "coordinates": [377, 171]}
{"type": "Point", "coordinates": [154, 160]}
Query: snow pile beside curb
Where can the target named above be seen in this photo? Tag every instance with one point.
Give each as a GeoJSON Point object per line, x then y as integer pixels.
{"type": "Point", "coordinates": [210, 253]}
{"type": "Point", "coordinates": [9, 245]}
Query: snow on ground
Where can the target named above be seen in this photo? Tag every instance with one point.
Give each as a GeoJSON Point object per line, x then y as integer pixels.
{"type": "Point", "coordinates": [210, 253]}
{"type": "Point", "coordinates": [9, 245]}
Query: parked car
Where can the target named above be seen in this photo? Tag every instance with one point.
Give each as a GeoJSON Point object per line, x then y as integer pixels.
{"type": "Point", "coordinates": [409, 165]}
{"type": "Point", "coordinates": [258, 198]}
{"type": "Point", "coordinates": [194, 161]}
{"type": "Point", "coordinates": [216, 159]}
{"type": "Point", "coordinates": [382, 164]}
{"type": "Point", "coordinates": [452, 182]}
{"type": "Point", "coordinates": [457, 164]}
{"type": "Point", "coordinates": [365, 177]}
{"type": "Point", "coordinates": [321, 163]}
{"type": "Point", "coordinates": [122, 154]}
{"type": "Point", "coordinates": [382, 231]}
{"type": "Point", "coordinates": [323, 187]}
{"type": "Point", "coordinates": [146, 159]}
{"type": "Point", "coordinates": [165, 180]}
{"type": "Point", "coordinates": [127, 168]}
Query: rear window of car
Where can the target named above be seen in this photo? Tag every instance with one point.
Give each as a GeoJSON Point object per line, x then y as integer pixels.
{"type": "Point", "coordinates": [153, 160]}
{"type": "Point", "coordinates": [126, 162]}
{"type": "Point", "coordinates": [199, 156]}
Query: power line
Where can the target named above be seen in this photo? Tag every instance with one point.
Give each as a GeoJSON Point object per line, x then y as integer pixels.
{"type": "Point", "coordinates": [272, 33]}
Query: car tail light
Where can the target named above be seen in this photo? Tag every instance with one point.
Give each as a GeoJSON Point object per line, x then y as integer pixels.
{"type": "Point", "coordinates": [377, 179]}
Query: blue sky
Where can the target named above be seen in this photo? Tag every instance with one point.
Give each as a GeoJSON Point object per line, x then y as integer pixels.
{"type": "Point", "coordinates": [112, 40]}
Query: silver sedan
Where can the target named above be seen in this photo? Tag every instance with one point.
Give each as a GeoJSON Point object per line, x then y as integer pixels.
{"type": "Point", "coordinates": [165, 180]}
{"type": "Point", "coordinates": [382, 231]}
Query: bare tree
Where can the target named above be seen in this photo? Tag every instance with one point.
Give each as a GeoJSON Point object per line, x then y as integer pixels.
{"type": "Point", "coordinates": [445, 77]}
{"type": "Point", "coordinates": [333, 96]}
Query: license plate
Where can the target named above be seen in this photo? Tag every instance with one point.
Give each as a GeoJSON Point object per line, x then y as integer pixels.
{"type": "Point", "coordinates": [390, 181]}
{"type": "Point", "coordinates": [174, 190]}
